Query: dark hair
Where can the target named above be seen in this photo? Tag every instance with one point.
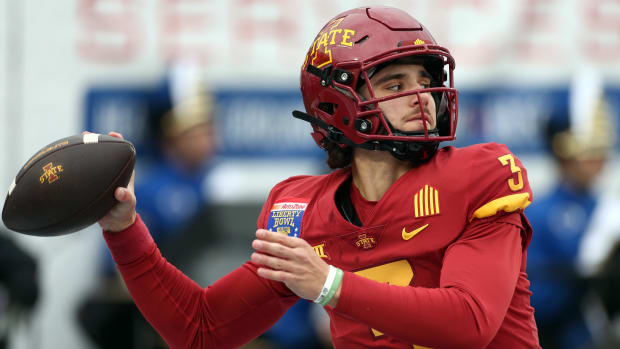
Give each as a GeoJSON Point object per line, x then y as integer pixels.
{"type": "Point", "coordinates": [337, 157]}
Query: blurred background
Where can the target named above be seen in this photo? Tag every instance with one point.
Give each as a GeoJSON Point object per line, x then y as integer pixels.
{"type": "Point", "coordinates": [205, 88]}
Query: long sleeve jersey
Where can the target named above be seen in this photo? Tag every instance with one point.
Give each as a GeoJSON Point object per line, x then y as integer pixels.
{"type": "Point", "coordinates": [439, 263]}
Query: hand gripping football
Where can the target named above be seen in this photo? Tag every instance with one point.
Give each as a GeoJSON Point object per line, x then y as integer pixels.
{"type": "Point", "coordinates": [68, 185]}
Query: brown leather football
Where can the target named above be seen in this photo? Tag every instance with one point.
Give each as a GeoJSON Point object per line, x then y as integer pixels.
{"type": "Point", "coordinates": [68, 185]}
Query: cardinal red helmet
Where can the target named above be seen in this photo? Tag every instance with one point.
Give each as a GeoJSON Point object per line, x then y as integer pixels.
{"type": "Point", "coordinates": [347, 51]}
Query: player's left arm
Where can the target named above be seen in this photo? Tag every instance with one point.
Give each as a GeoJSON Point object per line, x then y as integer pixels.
{"type": "Point", "coordinates": [477, 283]}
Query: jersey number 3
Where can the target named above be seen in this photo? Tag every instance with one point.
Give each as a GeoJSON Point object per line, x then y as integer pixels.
{"type": "Point", "coordinates": [509, 159]}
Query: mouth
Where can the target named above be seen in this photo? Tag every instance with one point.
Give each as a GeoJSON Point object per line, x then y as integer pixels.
{"type": "Point", "coordinates": [418, 116]}
{"type": "Point", "coordinates": [414, 118]}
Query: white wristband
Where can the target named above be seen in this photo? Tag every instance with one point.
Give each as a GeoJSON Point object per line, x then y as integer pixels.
{"type": "Point", "coordinates": [327, 285]}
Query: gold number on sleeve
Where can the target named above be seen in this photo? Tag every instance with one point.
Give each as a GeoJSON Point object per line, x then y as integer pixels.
{"type": "Point", "coordinates": [509, 159]}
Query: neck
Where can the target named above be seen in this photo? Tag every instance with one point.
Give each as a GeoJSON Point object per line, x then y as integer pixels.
{"type": "Point", "coordinates": [375, 171]}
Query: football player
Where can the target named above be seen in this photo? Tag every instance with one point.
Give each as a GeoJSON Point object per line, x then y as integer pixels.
{"type": "Point", "coordinates": [406, 245]}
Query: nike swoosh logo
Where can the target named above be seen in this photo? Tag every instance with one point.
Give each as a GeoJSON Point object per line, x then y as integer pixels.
{"type": "Point", "coordinates": [409, 235]}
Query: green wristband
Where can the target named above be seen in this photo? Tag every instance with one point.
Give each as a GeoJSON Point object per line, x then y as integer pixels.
{"type": "Point", "coordinates": [333, 288]}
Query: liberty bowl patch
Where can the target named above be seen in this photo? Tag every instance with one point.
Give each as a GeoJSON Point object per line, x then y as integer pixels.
{"type": "Point", "coordinates": [285, 218]}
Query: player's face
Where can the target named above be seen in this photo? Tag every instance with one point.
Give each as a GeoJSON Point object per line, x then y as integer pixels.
{"type": "Point", "coordinates": [404, 113]}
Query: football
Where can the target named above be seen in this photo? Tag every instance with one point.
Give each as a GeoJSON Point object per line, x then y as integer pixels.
{"type": "Point", "coordinates": [68, 185]}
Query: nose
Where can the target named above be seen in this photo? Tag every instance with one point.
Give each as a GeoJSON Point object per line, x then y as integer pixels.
{"type": "Point", "coordinates": [418, 98]}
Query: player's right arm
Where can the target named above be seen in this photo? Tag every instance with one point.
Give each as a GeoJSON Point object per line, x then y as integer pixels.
{"type": "Point", "coordinates": [231, 312]}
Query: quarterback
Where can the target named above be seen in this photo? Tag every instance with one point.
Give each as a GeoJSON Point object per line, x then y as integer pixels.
{"type": "Point", "coordinates": [405, 244]}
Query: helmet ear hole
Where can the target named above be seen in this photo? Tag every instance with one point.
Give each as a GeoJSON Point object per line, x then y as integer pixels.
{"type": "Point", "coordinates": [329, 108]}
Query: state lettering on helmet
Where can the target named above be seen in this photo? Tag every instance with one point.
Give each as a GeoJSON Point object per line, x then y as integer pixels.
{"type": "Point", "coordinates": [285, 217]}
{"type": "Point", "coordinates": [319, 54]}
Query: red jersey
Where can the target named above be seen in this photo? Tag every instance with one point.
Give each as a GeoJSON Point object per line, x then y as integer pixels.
{"type": "Point", "coordinates": [439, 263]}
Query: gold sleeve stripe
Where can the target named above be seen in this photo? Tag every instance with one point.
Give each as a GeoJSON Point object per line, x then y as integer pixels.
{"type": "Point", "coordinates": [509, 203]}
{"type": "Point", "coordinates": [431, 196]}
{"type": "Point", "coordinates": [415, 204]}
{"type": "Point", "coordinates": [437, 201]}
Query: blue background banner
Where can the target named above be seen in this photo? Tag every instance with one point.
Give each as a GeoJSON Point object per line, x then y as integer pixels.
{"type": "Point", "coordinates": [258, 122]}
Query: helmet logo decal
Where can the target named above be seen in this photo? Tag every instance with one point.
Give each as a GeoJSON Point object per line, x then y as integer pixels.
{"type": "Point", "coordinates": [320, 55]}
{"type": "Point", "coordinates": [419, 42]}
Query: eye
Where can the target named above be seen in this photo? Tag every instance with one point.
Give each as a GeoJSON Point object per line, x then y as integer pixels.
{"type": "Point", "coordinates": [425, 83]}
{"type": "Point", "coordinates": [394, 87]}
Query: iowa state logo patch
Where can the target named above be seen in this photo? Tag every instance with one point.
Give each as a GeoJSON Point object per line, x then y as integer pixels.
{"type": "Point", "coordinates": [285, 217]}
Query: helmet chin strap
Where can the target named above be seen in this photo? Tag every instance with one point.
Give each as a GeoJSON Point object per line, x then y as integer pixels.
{"type": "Point", "coordinates": [415, 151]}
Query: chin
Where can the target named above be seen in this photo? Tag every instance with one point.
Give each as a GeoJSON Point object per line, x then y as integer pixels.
{"type": "Point", "coordinates": [416, 126]}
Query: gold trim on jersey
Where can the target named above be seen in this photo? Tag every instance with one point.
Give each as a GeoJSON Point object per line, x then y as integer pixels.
{"type": "Point", "coordinates": [320, 250]}
{"type": "Point", "coordinates": [509, 203]}
{"type": "Point", "coordinates": [398, 273]}
{"type": "Point", "coordinates": [426, 202]}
